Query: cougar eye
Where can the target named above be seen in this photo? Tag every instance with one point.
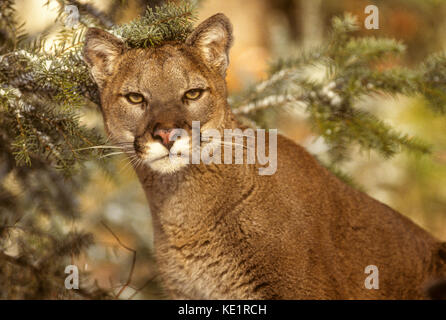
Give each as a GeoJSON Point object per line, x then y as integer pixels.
{"type": "Point", "coordinates": [134, 98]}
{"type": "Point", "coordinates": [193, 94]}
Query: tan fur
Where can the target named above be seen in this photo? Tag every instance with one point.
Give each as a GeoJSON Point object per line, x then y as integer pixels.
{"type": "Point", "coordinates": [226, 232]}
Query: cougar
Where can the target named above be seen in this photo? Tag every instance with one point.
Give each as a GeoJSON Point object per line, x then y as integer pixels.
{"type": "Point", "coordinates": [224, 231]}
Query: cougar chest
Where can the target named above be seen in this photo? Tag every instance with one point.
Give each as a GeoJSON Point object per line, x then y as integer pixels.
{"type": "Point", "coordinates": [191, 263]}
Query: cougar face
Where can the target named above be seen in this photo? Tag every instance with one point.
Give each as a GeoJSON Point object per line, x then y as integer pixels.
{"type": "Point", "coordinates": [149, 97]}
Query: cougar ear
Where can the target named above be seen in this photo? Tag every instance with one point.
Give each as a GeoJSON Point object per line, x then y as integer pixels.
{"type": "Point", "coordinates": [101, 51]}
{"type": "Point", "coordinates": [213, 38]}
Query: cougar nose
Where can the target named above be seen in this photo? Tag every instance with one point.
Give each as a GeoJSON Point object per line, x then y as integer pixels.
{"type": "Point", "coordinates": [166, 136]}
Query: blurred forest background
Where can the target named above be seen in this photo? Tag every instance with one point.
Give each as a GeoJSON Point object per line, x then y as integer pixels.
{"type": "Point", "coordinates": [112, 206]}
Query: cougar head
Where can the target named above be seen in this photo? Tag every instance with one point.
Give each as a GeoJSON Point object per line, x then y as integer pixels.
{"type": "Point", "coordinates": [149, 97]}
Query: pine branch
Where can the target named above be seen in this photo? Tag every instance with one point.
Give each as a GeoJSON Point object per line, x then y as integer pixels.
{"type": "Point", "coordinates": [351, 70]}
{"type": "Point", "coordinates": [43, 92]}
{"type": "Point", "coordinates": [90, 10]}
{"type": "Point", "coordinates": [170, 22]}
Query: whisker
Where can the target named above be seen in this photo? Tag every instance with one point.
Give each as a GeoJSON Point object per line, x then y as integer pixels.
{"type": "Point", "coordinates": [99, 147]}
{"type": "Point", "coordinates": [128, 163]}
{"type": "Point", "coordinates": [111, 154]}
{"type": "Point", "coordinates": [125, 143]}
{"type": "Point", "coordinates": [135, 162]}
{"type": "Point", "coordinates": [139, 162]}
{"type": "Point", "coordinates": [227, 143]}
{"type": "Point", "coordinates": [233, 144]}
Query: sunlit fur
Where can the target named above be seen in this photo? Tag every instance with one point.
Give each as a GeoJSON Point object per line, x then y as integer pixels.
{"type": "Point", "coordinates": [221, 231]}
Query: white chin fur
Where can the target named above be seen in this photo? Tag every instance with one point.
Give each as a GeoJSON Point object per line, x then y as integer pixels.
{"type": "Point", "coordinates": [168, 165]}
{"type": "Point", "coordinates": [158, 158]}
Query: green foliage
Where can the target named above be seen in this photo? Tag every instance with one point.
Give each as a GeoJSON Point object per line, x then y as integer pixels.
{"type": "Point", "coordinates": [172, 22]}
{"type": "Point", "coordinates": [433, 81]}
{"type": "Point", "coordinates": [43, 90]}
{"type": "Point", "coordinates": [11, 32]}
{"type": "Point", "coordinates": [47, 155]}
{"type": "Point", "coordinates": [353, 68]}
